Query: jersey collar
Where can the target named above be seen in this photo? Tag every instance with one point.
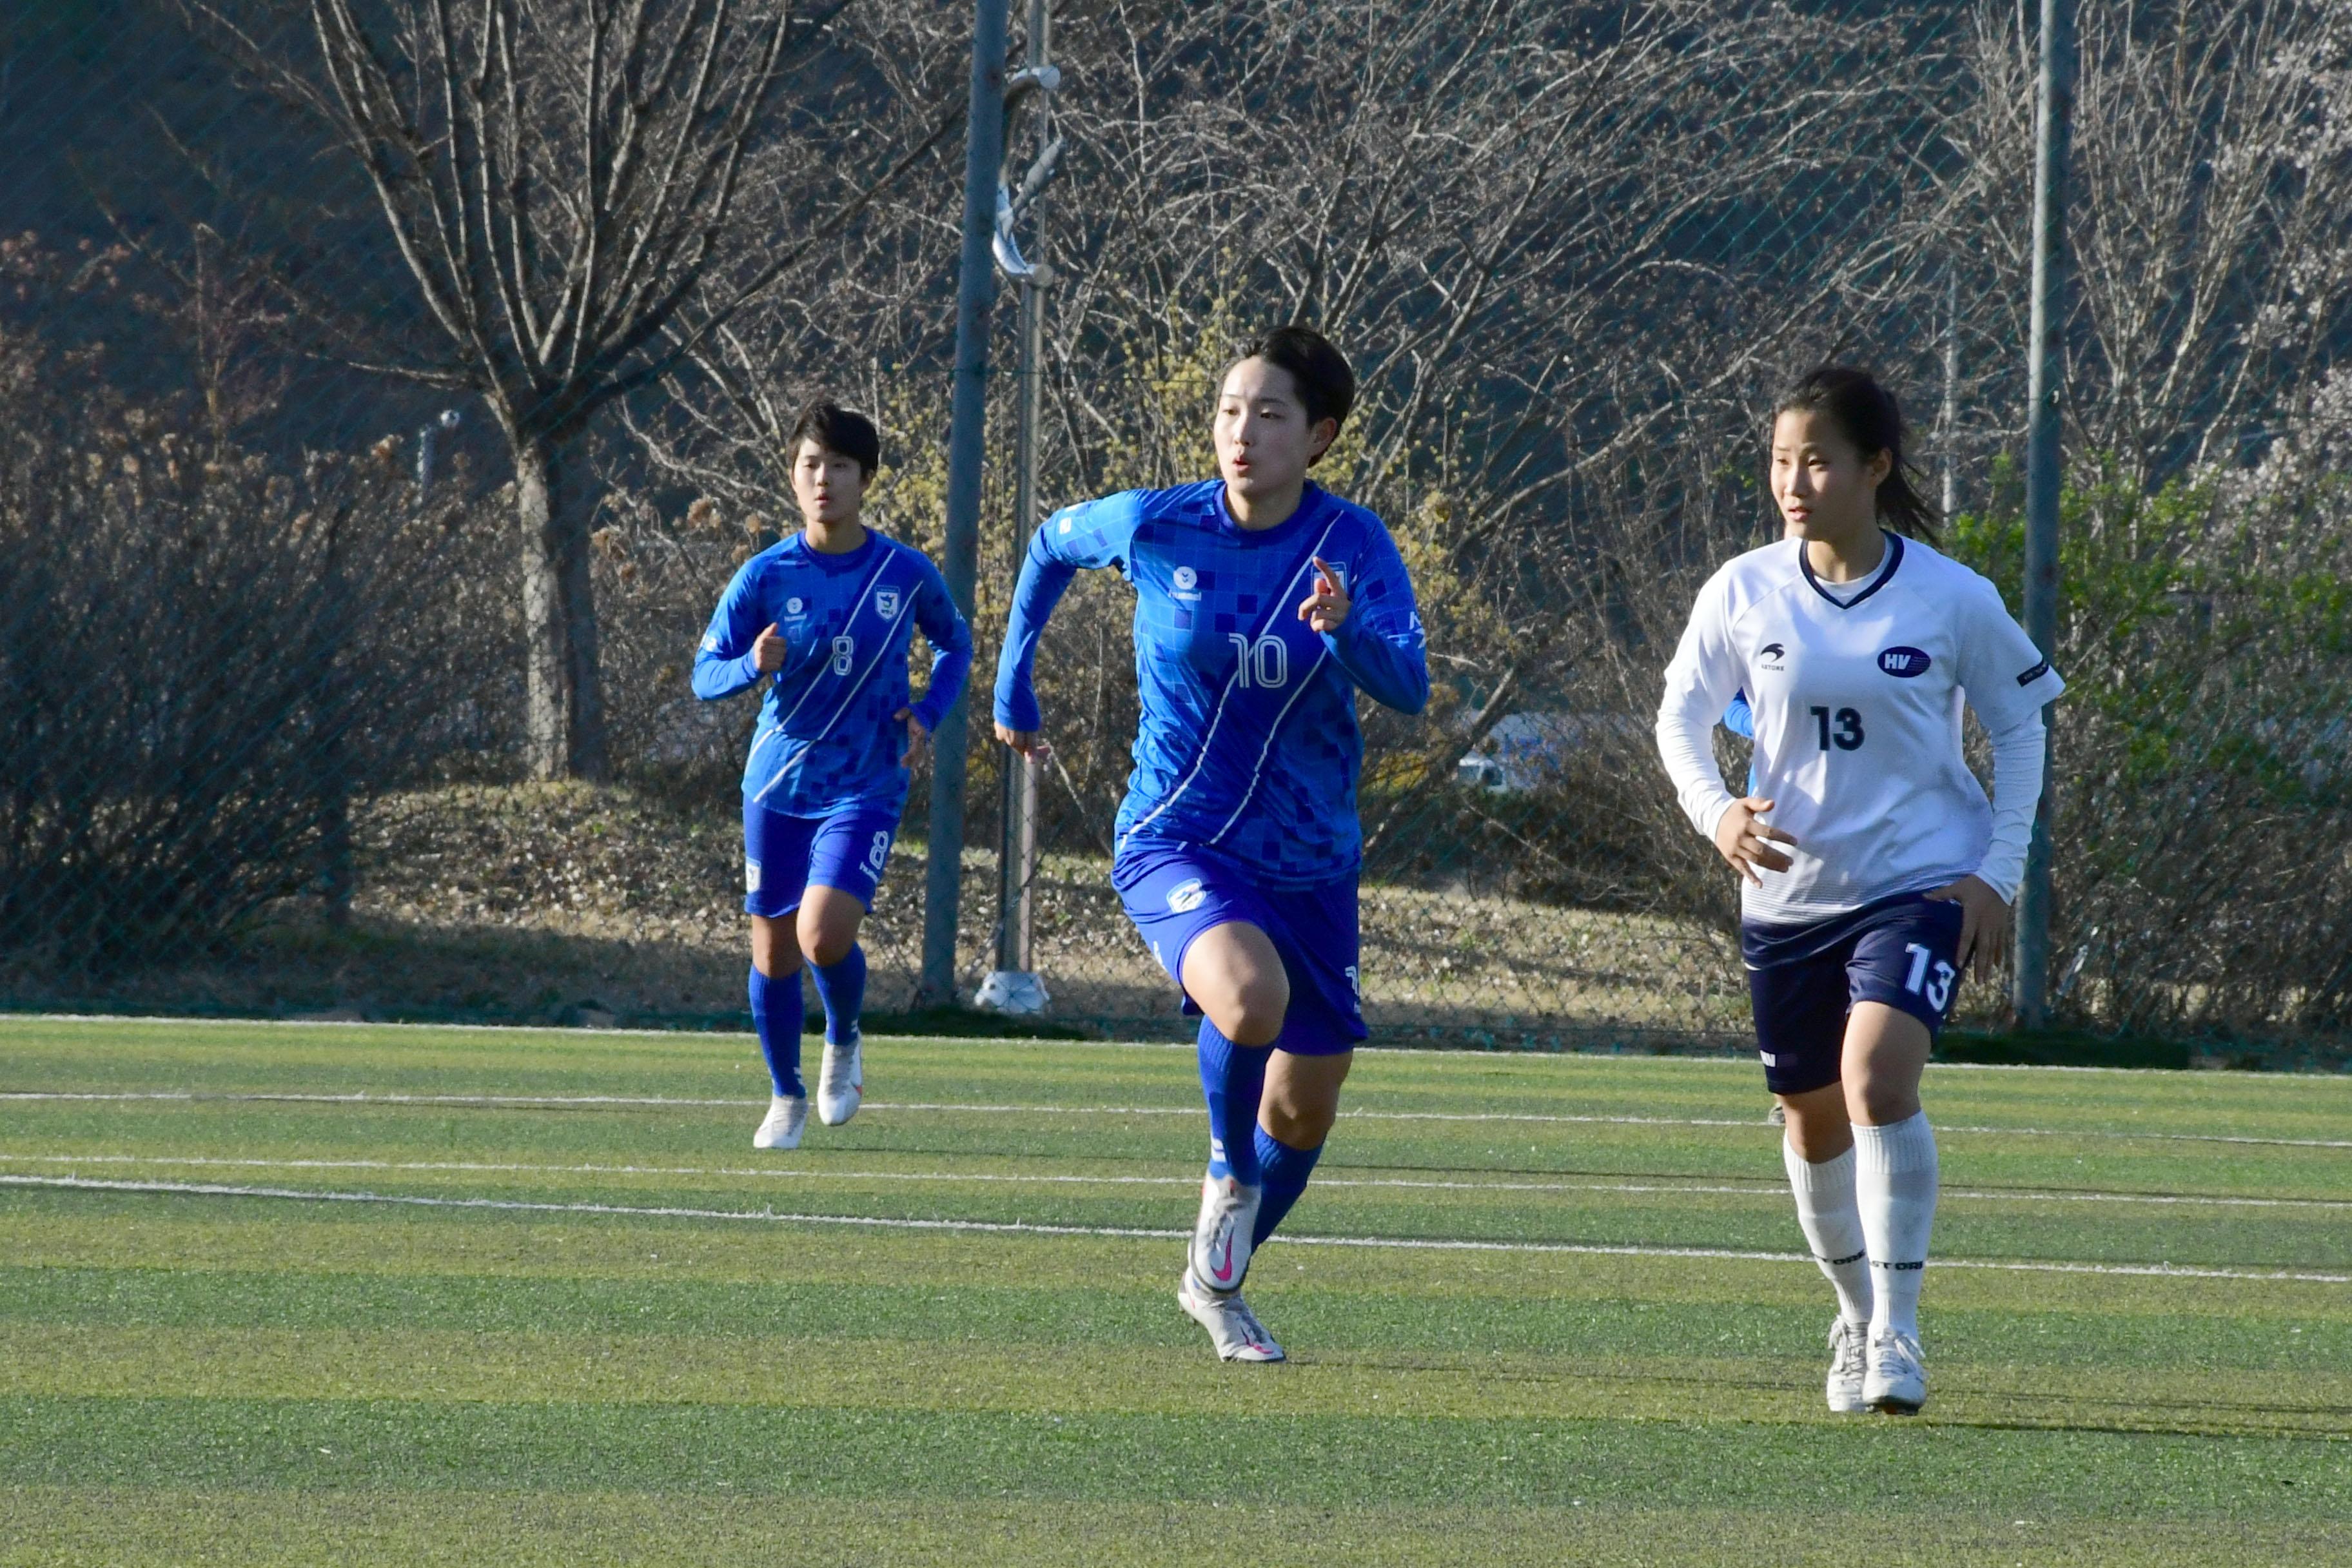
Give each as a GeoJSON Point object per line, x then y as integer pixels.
{"type": "Point", "coordinates": [1886, 569]}
{"type": "Point", "coordinates": [1311, 502]}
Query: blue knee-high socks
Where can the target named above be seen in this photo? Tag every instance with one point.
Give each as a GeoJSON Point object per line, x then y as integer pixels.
{"type": "Point", "coordinates": [1232, 1080]}
{"type": "Point", "coordinates": [776, 1014]}
{"type": "Point", "coordinates": [1285, 1171]}
{"type": "Point", "coordinates": [842, 988]}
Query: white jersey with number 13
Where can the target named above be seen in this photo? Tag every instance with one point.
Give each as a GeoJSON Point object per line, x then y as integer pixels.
{"type": "Point", "coordinates": [1858, 690]}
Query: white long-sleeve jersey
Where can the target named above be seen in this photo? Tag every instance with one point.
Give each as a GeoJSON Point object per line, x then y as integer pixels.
{"type": "Point", "coordinates": [1858, 689]}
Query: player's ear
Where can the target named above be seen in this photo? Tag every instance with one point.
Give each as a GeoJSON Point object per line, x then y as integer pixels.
{"type": "Point", "coordinates": [1320, 436]}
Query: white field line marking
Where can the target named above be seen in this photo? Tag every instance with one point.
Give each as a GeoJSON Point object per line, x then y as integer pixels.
{"type": "Point", "coordinates": [1026, 1227]}
{"type": "Point", "coordinates": [1761, 1187]}
{"type": "Point", "coordinates": [1734, 1045]}
{"type": "Point", "coordinates": [496, 1101]}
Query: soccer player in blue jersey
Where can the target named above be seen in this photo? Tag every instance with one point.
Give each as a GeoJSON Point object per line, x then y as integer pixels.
{"type": "Point", "coordinates": [823, 621]}
{"type": "Point", "coordinates": [1264, 603]}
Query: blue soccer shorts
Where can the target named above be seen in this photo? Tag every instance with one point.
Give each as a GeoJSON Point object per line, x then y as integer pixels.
{"type": "Point", "coordinates": [1173, 893]}
{"type": "Point", "coordinates": [1804, 980]}
{"type": "Point", "coordinates": [783, 855]}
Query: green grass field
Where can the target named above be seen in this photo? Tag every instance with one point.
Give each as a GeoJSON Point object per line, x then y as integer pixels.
{"type": "Point", "coordinates": [552, 1308]}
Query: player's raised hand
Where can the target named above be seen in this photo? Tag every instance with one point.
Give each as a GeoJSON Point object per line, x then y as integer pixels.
{"type": "Point", "coordinates": [1984, 924]}
{"type": "Point", "coordinates": [768, 650]}
{"type": "Point", "coordinates": [1328, 605]}
{"type": "Point", "coordinates": [1746, 843]}
{"type": "Point", "coordinates": [917, 738]}
{"type": "Point", "coordinates": [1028, 742]}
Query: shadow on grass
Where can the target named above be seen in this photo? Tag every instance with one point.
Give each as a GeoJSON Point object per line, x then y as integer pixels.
{"type": "Point", "coordinates": [376, 968]}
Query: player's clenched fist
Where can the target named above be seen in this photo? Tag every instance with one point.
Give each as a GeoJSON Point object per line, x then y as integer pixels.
{"type": "Point", "coordinates": [768, 650]}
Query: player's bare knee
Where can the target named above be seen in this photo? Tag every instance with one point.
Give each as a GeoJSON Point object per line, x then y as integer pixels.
{"type": "Point", "coordinates": [1259, 1003]}
{"type": "Point", "coordinates": [826, 946]}
{"type": "Point", "coordinates": [1883, 1101]}
{"type": "Point", "coordinates": [773, 954]}
{"type": "Point", "coordinates": [1301, 1126]}
{"type": "Point", "coordinates": [1817, 1130]}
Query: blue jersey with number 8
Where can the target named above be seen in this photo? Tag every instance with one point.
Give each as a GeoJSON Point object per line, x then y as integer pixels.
{"type": "Point", "coordinates": [828, 736]}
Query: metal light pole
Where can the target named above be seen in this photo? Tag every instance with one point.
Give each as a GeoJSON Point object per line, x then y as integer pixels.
{"type": "Point", "coordinates": [975, 298]}
{"type": "Point", "coordinates": [1948, 416]}
{"type": "Point", "coordinates": [2053, 124]}
{"type": "Point", "coordinates": [1013, 986]}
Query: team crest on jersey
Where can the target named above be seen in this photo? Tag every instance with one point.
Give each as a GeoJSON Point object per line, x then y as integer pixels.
{"type": "Point", "coordinates": [751, 876]}
{"type": "Point", "coordinates": [886, 601]}
{"type": "Point", "coordinates": [1187, 896]}
{"type": "Point", "coordinates": [1904, 663]}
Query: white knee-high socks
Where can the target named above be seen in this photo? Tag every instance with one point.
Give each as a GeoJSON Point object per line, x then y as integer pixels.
{"type": "Point", "coordinates": [1895, 1185]}
{"type": "Point", "coordinates": [1831, 1219]}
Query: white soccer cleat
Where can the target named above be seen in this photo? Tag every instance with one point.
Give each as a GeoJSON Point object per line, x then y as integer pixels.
{"type": "Point", "coordinates": [1222, 1234]}
{"type": "Point", "coordinates": [841, 1085]}
{"type": "Point", "coordinates": [1895, 1381]}
{"type": "Point", "coordinates": [787, 1114]}
{"type": "Point", "coordinates": [1849, 1344]}
{"type": "Point", "coordinates": [1232, 1327]}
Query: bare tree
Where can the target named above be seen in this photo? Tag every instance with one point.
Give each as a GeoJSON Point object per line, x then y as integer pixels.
{"type": "Point", "coordinates": [2211, 223]}
{"type": "Point", "coordinates": [563, 182]}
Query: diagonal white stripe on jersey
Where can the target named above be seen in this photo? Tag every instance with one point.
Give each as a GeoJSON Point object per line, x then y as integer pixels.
{"type": "Point", "coordinates": [854, 611]}
{"type": "Point", "coordinates": [1257, 769]}
{"type": "Point", "coordinates": [1210, 733]}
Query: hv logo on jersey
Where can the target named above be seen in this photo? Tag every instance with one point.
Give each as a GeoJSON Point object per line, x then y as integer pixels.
{"type": "Point", "coordinates": [886, 601]}
{"type": "Point", "coordinates": [1187, 896]}
{"type": "Point", "coordinates": [1904, 663]}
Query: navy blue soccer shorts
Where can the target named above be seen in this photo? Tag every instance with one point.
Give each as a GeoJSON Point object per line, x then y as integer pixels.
{"type": "Point", "coordinates": [1173, 893]}
{"type": "Point", "coordinates": [1804, 980]}
{"type": "Point", "coordinates": [783, 855]}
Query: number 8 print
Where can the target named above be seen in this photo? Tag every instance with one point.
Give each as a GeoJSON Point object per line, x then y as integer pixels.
{"type": "Point", "coordinates": [844, 654]}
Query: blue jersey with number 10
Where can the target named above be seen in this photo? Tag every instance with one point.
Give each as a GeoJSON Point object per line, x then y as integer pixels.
{"type": "Point", "coordinates": [828, 737]}
{"type": "Point", "coordinates": [1248, 745]}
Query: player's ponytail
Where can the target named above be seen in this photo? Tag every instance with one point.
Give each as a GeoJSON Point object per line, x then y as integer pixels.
{"type": "Point", "coordinates": [1870, 418]}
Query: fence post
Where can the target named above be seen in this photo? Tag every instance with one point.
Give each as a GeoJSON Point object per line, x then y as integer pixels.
{"type": "Point", "coordinates": [1013, 986]}
{"type": "Point", "coordinates": [2053, 124]}
{"type": "Point", "coordinates": [975, 298]}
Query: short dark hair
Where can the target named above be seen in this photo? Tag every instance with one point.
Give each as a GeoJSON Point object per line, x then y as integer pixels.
{"type": "Point", "coordinates": [1326, 388]}
{"type": "Point", "coordinates": [1869, 416]}
{"type": "Point", "coordinates": [838, 429]}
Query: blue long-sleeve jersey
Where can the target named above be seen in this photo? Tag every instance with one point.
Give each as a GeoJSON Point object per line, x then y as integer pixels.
{"type": "Point", "coordinates": [1249, 745]}
{"type": "Point", "coordinates": [828, 737]}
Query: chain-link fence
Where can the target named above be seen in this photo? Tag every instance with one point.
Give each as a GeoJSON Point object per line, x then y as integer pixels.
{"type": "Point", "coordinates": [317, 698]}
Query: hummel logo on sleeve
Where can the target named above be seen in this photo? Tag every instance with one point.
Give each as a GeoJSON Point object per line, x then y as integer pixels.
{"type": "Point", "coordinates": [2036, 673]}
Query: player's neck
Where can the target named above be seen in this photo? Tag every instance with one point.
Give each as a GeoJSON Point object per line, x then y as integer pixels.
{"type": "Point", "coordinates": [1847, 559]}
{"type": "Point", "coordinates": [835, 538]}
{"type": "Point", "coordinates": [1254, 514]}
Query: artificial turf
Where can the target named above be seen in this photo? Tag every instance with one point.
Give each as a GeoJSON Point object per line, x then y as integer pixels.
{"type": "Point", "coordinates": [640, 1341]}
